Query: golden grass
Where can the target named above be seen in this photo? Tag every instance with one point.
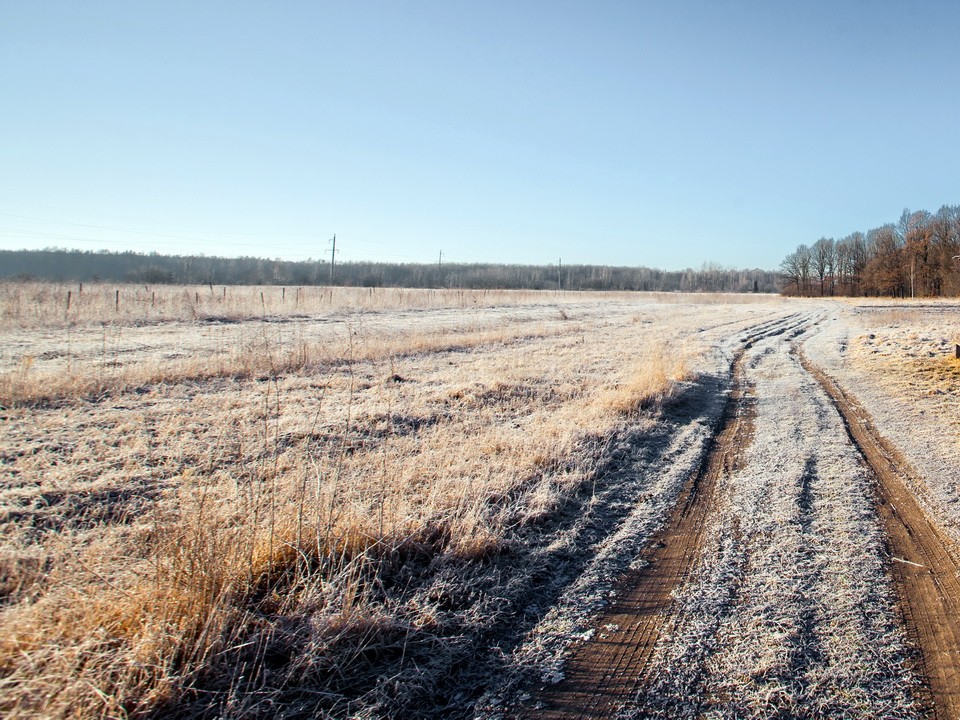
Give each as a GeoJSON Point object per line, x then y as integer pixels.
{"type": "Point", "coordinates": [658, 371]}
{"type": "Point", "coordinates": [258, 354]}
{"type": "Point", "coordinates": [938, 375]}
{"type": "Point", "coordinates": [911, 354]}
{"type": "Point", "coordinates": [168, 537]}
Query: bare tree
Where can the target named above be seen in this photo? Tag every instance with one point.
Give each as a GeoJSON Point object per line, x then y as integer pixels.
{"type": "Point", "coordinates": [843, 254]}
{"type": "Point", "coordinates": [884, 270]}
{"type": "Point", "coordinates": [823, 260]}
{"type": "Point", "coordinates": [916, 255]}
{"type": "Point", "coordinates": [790, 274]}
{"type": "Point", "coordinates": [805, 257]}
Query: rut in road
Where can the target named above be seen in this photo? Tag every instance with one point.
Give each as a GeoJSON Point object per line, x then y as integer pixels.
{"type": "Point", "coordinates": [766, 593]}
{"type": "Point", "coordinates": [924, 563]}
{"type": "Point", "coordinates": [603, 675]}
{"type": "Point", "coordinates": [791, 612]}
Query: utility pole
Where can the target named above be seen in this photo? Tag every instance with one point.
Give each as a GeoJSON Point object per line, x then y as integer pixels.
{"type": "Point", "coordinates": [559, 268]}
{"type": "Point", "coordinates": [439, 270]}
{"type": "Point", "coordinates": [333, 256]}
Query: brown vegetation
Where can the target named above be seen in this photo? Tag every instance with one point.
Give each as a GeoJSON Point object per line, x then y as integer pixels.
{"type": "Point", "coordinates": [910, 351]}
{"type": "Point", "coordinates": [260, 524]}
{"type": "Point", "coordinates": [917, 257]}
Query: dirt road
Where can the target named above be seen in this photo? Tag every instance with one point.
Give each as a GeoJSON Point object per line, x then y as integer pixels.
{"type": "Point", "coordinates": [796, 577]}
{"type": "Point", "coordinates": [604, 674]}
{"type": "Point", "coordinates": [924, 564]}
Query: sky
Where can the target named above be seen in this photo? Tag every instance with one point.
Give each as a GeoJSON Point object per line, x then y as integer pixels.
{"type": "Point", "coordinates": [664, 134]}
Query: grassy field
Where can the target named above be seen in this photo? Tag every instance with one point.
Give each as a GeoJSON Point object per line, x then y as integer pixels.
{"type": "Point", "coordinates": [261, 502]}
{"type": "Point", "coordinates": [221, 502]}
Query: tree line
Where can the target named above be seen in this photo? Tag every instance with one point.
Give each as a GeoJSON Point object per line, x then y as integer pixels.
{"type": "Point", "coordinates": [86, 266]}
{"type": "Point", "coordinates": [918, 256]}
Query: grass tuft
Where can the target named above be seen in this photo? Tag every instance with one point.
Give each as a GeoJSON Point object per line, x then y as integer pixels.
{"type": "Point", "coordinates": [654, 380]}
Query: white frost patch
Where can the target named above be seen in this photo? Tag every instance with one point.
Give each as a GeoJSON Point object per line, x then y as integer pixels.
{"type": "Point", "coordinates": [790, 613]}
{"type": "Point", "coordinates": [651, 484]}
{"type": "Point", "coordinates": [920, 423]}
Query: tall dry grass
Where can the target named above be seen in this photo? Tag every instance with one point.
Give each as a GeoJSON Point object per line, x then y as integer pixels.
{"type": "Point", "coordinates": [275, 514]}
{"type": "Point", "coordinates": [25, 304]}
{"type": "Point", "coordinates": [54, 305]}
{"type": "Point", "coordinates": [655, 378]}
{"type": "Point", "coordinates": [259, 352]}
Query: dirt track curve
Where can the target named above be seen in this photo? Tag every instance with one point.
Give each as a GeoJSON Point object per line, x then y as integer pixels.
{"type": "Point", "coordinates": [925, 572]}
{"type": "Point", "coordinates": [604, 674]}
{"type": "Point", "coordinates": [610, 672]}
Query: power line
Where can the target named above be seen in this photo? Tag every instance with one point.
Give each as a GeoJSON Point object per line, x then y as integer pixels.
{"type": "Point", "coordinates": [305, 236]}
{"type": "Point", "coordinates": [168, 244]}
{"type": "Point", "coordinates": [169, 239]}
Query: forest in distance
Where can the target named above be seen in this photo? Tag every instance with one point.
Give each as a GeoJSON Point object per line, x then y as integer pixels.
{"type": "Point", "coordinates": [85, 266]}
{"type": "Point", "coordinates": [918, 256]}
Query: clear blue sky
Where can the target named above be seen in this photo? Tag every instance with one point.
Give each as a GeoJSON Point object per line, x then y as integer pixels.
{"type": "Point", "coordinates": [664, 134]}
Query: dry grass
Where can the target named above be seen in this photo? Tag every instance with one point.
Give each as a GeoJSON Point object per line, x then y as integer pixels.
{"type": "Point", "coordinates": [173, 334]}
{"type": "Point", "coordinates": [219, 539]}
{"type": "Point", "coordinates": [910, 351]}
{"type": "Point", "coordinates": [658, 372]}
{"type": "Point", "coordinates": [939, 375]}
{"type": "Point", "coordinates": [45, 305]}
{"type": "Point", "coordinates": [259, 351]}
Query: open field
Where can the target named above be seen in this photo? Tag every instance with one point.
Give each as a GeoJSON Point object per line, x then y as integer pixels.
{"type": "Point", "coordinates": [386, 503]}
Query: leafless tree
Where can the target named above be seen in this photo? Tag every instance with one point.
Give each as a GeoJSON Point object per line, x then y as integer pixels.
{"type": "Point", "coordinates": [916, 255]}
{"type": "Point", "coordinates": [823, 260]}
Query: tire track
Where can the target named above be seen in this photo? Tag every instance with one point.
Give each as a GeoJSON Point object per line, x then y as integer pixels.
{"type": "Point", "coordinates": [923, 563]}
{"type": "Point", "coordinates": [788, 613]}
{"type": "Point", "coordinates": [605, 673]}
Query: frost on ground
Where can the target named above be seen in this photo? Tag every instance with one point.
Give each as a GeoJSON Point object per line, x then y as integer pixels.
{"type": "Point", "coordinates": [790, 613]}
{"type": "Point", "coordinates": [646, 492]}
{"type": "Point", "coordinates": [898, 360]}
{"type": "Point", "coordinates": [350, 516]}
{"type": "Point", "coordinates": [416, 511]}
